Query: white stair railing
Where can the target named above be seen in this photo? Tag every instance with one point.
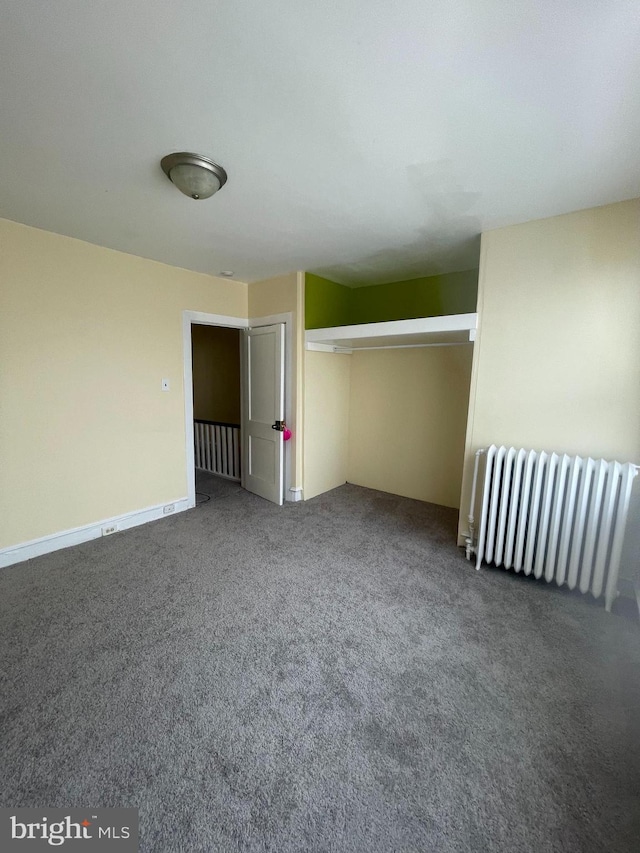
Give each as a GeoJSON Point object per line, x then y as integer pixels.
{"type": "Point", "coordinates": [217, 448]}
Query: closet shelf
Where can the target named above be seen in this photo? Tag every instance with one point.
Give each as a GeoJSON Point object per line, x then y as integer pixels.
{"type": "Point", "coordinates": [396, 334]}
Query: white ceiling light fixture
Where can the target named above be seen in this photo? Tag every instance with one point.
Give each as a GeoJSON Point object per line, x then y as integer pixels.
{"type": "Point", "coordinates": [194, 175]}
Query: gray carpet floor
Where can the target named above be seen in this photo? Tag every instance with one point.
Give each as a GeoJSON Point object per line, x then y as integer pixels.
{"type": "Point", "coordinates": [326, 676]}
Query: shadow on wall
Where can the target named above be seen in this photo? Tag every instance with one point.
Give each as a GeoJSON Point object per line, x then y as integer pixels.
{"type": "Point", "coordinates": [216, 373]}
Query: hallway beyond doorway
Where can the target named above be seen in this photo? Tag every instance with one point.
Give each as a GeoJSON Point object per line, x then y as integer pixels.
{"type": "Point", "coordinates": [214, 487]}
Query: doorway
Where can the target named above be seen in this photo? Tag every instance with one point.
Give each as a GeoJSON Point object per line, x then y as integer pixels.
{"type": "Point", "coordinates": [216, 389]}
{"type": "Point", "coordinates": [255, 388]}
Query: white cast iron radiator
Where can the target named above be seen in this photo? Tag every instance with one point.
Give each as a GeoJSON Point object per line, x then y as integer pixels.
{"type": "Point", "coordinates": [217, 448]}
{"type": "Point", "coordinates": [558, 517]}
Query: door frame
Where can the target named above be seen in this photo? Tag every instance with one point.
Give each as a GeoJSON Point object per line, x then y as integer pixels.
{"type": "Point", "coordinates": [200, 318]}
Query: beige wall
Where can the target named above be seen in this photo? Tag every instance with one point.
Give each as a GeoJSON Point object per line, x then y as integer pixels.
{"type": "Point", "coordinates": [280, 295]}
{"type": "Point", "coordinates": [408, 411]}
{"type": "Point", "coordinates": [86, 335]}
{"type": "Point", "coordinates": [327, 389]}
{"type": "Point", "coordinates": [216, 373]}
{"type": "Point", "coordinates": [557, 359]}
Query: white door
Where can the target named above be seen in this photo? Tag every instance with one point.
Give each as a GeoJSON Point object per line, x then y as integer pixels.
{"type": "Point", "coordinates": [263, 412]}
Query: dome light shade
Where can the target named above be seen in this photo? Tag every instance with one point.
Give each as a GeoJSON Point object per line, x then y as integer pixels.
{"type": "Point", "coordinates": [195, 176]}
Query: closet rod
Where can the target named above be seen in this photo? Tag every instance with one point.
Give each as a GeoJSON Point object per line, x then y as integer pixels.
{"type": "Point", "coordinates": [403, 346]}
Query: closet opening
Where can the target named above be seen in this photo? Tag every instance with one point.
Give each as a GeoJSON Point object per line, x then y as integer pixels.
{"type": "Point", "coordinates": [387, 404]}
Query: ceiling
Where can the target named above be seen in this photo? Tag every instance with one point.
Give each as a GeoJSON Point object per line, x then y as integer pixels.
{"type": "Point", "coordinates": [365, 140]}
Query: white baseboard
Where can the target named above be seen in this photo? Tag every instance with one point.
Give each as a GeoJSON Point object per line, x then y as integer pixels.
{"type": "Point", "coordinates": [295, 494]}
{"type": "Point", "coordinates": [66, 538]}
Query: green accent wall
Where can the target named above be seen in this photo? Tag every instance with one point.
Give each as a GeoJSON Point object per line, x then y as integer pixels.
{"type": "Point", "coordinates": [330, 304]}
{"type": "Point", "coordinates": [325, 303]}
{"type": "Point", "coordinates": [432, 296]}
